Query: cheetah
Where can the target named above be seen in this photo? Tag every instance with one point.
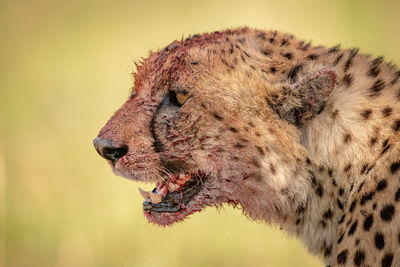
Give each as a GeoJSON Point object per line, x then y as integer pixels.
{"type": "Point", "coordinates": [302, 136]}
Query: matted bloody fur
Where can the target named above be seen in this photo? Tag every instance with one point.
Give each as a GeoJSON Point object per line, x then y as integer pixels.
{"type": "Point", "coordinates": [302, 136]}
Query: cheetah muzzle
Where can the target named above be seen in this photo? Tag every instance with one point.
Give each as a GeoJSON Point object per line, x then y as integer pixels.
{"type": "Point", "coordinates": [306, 137]}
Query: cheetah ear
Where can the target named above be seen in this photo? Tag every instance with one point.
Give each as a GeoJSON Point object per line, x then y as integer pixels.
{"type": "Point", "coordinates": [300, 102]}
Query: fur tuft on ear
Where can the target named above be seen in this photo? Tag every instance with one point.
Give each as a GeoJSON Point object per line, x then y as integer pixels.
{"type": "Point", "coordinates": [300, 102]}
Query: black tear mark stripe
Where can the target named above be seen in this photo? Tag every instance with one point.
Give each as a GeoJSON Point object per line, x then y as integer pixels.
{"type": "Point", "coordinates": [157, 144]}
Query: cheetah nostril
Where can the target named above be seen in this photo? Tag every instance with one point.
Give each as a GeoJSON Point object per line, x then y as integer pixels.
{"type": "Point", "coordinates": [105, 148]}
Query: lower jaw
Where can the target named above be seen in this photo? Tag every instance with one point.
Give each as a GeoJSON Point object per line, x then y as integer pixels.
{"type": "Point", "coordinates": [168, 218]}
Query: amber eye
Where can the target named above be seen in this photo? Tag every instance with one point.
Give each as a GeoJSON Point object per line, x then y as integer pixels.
{"type": "Point", "coordinates": [181, 97]}
{"type": "Point", "coordinates": [178, 98]}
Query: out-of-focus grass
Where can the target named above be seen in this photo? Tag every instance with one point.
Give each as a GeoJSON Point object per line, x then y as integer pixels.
{"type": "Point", "coordinates": [65, 67]}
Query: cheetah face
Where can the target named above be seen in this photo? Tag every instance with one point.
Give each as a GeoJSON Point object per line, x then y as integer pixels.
{"type": "Point", "coordinates": [170, 138]}
{"type": "Point", "coordinates": [198, 126]}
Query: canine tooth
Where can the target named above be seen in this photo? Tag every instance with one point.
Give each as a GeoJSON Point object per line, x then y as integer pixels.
{"type": "Point", "coordinates": [144, 194]}
{"type": "Point", "coordinates": [181, 175]}
{"type": "Point", "coordinates": [155, 198]}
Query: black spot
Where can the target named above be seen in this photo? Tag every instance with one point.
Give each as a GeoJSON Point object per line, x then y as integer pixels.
{"type": "Point", "coordinates": [394, 167]}
{"type": "Point", "coordinates": [376, 87]}
{"type": "Point", "coordinates": [369, 220]}
{"type": "Point", "coordinates": [334, 114]}
{"type": "Point", "coordinates": [397, 196]}
{"type": "Point", "coordinates": [261, 151]}
{"type": "Point", "coordinates": [396, 126]}
{"type": "Point", "coordinates": [359, 257]}
{"type": "Point", "coordinates": [342, 257]}
{"type": "Point", "coordinates": [272, 69]}
{"type": "Point", "coordinates": [353, 228]}
{"type": "Point", "coordinates": [328, 214]}
{"type": "Point", "coordinates": [340, 204]}
{"type": "Point", "coordinates": [396, 78]}
{"type": "Point", "coordinates": [323, 223]}
{"type": "Point", "coordinates": [293, 72]}
{"type": "Point", "coordinates": [347, 138]}
{"type": "Point", "coordinates": [349, 61]}
{"type": "Point", "coordinates": [261, 36]}
{"type": "Point", "coordinates": [386, 112]}
{"type": "Point", "coordinates": [377, 60]}
{"type": "Point", "coordinates": [364, 168]}
{"type": "Point", "coordinates": [298, 221]}
{"type": "Point", "coordinates": [271, 40]}
{"type": "Point", "coordinates": [218, 117]}
{"type": "Point", "coordinates": [194, 62]}
{"type": "Point", "coordinates": [373, 141]}
{"type": "Point", "coordinates": [266, 52]}
{"type": "Point", "coordinates": [379, 240]}
{"type": "Point", "coordinates": [342, 219]}
{"type": "Point", "coordinates": [347, 167]}
{"type": "Point", "coordinates": [312, 56]}
{"type": "Point", "coordinates": [233, 129]}
{"type": "Point", "coordinates": [360, 187]}
{"type": "Point", "coordinates": [347, 80]}
{"type": "Point", "coordinates": [387, 213]}
{"type": "Point", "coordinates": [337, 60]}
{"type": "Point", "coordinates": [341, 191]}
{"type": "Point", "coordinates": [385, 146]}
{"type": "Point", "coordinates": [387, 260]}
{"type": "Point", "coordinates": [366, 114]}
{"type": "Point", "coordinates": [367, 197]}
{"type": "Point", "coordinates": [340, 238]}
{"type": "Point", "coordinates": [239, 145]}
{"type": "Point", "coordinates": [330, 171]}
{"type": "Point", "coordinates": [373, 71]}
{"type": "Point", "coordinates": [328, 251]}
{"type": "Point", "coordinates": [284, 42]}
{"type": "Point", "coordinates": [334, 49]}
{"type": "Point", "coordinates": [304, 47]}
{"type": "Point", "coordinates": [381, 185]}
{"type": "Point", "coordinates": [370, 168]}
{"type": "Point", "coordinates": [288, 55]}
{"type": "Point", "coordinates": [319, 190]}
{"type": "Point", "coordinates": [353, 205]}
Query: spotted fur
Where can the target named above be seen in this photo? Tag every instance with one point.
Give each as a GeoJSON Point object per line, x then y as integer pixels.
{"type": "Point", "coordinates": [302, 136]}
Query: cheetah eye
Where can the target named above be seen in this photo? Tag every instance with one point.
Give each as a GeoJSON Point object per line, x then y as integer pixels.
{"type": "Point", "coordinates": [182, 97]}
{"type": "Point", "coordinates": [178, 98]}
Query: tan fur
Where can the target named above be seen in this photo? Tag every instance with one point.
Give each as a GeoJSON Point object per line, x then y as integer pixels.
{"type": "Point", "coordinates": [302, 176]}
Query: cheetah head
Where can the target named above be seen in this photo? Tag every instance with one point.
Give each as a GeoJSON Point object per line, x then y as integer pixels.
{"type": "Point", "coordinates": [206, 123]}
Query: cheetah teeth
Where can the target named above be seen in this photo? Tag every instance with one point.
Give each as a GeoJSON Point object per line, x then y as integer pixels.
{"type": "Point", "coordinates": [155, 198]}
{"type": "Point", "coordinates": [162, 188]}
{"type": "Point", "coordinates": [144, 194]}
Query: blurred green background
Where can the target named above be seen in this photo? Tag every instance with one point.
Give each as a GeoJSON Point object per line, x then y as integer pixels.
{"type": "Point", "coordinates": [65, 68]}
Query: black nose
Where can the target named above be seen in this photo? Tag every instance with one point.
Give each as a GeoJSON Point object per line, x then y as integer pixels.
{"type": "Point", "coordinates": [105, 148]}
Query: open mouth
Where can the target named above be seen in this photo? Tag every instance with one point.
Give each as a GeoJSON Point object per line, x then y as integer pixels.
{"type": "Point", "coordinates": [171, 199]}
